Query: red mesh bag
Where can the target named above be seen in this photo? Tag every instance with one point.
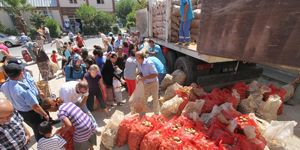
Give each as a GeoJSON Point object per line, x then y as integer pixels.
{"type": "Point", "coordinates": [230, 113]}
{"type": "Point", "coordinates": [139, 130]}
{"type": "Point", "coordinates": [218, 132]}
{"type": "Point", "coordinates": [68, 136]}
{"type": "Point", "coordinates": [243, 143]}
{"type": "Point", "coordinates": [278, 91]}
{"type": "Point", "coordinates": [171, 141]}
{"type": "Point", "coordinates": [241, 88]}
{"type": "Point", "coordinates": [202, 143]}
{"type": "Point", "coordinates": [124, 129]}
{"type": "Point", "coordinates": [152, 140]}
{"type": "Point", "coordinates": [244, 121]}
{"type": "Point", "coordinates": [216, 97]}
{"type": "Point", "coordinates": [227, 94]}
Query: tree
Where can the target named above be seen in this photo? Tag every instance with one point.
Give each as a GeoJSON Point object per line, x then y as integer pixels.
{"type": "Point", "coordinates": [53, 26]}
{"type": "Point", "coordinates": [17, 8]}
{"type": "Point", "coordinates": [37, 19]}
{"type": "Point", "coordinates": [87, 15]}
{"type": "Point", "coordinates": [103, 21]}
{"type": "Point", "coordinates": [123, 8]}
{"type": "Point", "coordinates": [131, 17]}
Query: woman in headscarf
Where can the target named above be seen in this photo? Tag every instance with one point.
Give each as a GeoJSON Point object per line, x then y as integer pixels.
{"type": "Point", "coordinates": [43, 62]}
{"type": "Point", "coordinates": [75, 69]}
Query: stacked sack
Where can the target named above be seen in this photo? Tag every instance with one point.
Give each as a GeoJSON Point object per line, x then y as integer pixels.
{"type": "Point", "coordinates": [175, 20]}
{"type": "Point", "coordinates": [159, 19]}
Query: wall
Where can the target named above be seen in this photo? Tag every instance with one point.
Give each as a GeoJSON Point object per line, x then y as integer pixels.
{"type": "Point", "coordinates": [66, 3]}
{"type": "Point", "coordinates": [107, 6]}
{"type": "Point", "coordinates": [5, 19]}
{"type": "Point", "coordinates": [55, 14]}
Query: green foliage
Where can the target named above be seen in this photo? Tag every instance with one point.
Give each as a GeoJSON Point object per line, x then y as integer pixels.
{"type": "Point", "coordinates": [123, 8]}
{"type": "Point", "coordinates": [140, 4]}
{"type": "Point", "coordinates": [37, 19]}
{"type": "Point", "coordinates": [32, 33]}
{"type": "Point", "coordinates": [17, 8]}
{"type": "Point", "coordinates": [115, 29]}
{"type": "Point", "coordinates": [103, 21]}
{"type": "Point", "coordinates": [131, 17]}
{"type": "Point", "coordinates": [86, 13]}
{"type": "Point", "coordinates": [130, 24]}
{"type": "Point", "coordinates": [53, 26]}
{"type": "Point", "coordinates": [94, 21]}
{"type": "Point", "coordinates": [9, 31]}
{"type": "Point", "coordinates": [2, 28]}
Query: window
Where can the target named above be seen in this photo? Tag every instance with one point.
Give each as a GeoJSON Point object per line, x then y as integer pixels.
{"type": "Point", "coordinates": [100, 1]}
{"type": "Point", "coordinates": [73, 1]}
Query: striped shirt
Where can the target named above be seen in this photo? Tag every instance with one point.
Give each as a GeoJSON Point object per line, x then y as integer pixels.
{"type": "Point", "coordinates": [12, 134]}
{"type": "Point", "coordinates": [53, 143]}
{"type": "Point", "coordinates": [84, 127]}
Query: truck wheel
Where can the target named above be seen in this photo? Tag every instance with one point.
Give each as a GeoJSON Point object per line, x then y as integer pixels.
{"type": "Point", "coordinates": [186, 65]}
{"type": "Point", "coordinates": [171, 58]}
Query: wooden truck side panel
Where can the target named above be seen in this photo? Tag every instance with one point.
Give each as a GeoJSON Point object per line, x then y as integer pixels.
{"type": "Point", "coordinates": [260, 31]}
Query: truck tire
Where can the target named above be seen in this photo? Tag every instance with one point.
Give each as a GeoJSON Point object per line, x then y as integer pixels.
{"type": "Point", "coordinates": [171, 58]}
{"type": "Point", "coordinates": [186, 65]}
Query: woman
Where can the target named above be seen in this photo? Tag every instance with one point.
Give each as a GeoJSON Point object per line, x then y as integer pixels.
{"type": "Point", "coordinates": [76, 69]}
{"type": "Point", "coordinates": [96, 88]}
{"type": "Point", "coordinates": [125, 48]}
{"type": "Point", "coordinates": [40, 38]}
{"type": "Point", "coordinates": [108, 74]}
{"type": "Point", "coordinates": [130, 70]}
{"type": "Point", "coordinates": [72, 116]}
{"type": "Point", "coordinates": [79, 41]}
{"type": "Point", "coordinates": [107, 45]}
{"type": "Point", "coordinates": [43, 62]}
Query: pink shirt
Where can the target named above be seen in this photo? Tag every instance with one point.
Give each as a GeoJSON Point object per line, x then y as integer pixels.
{"type": "Point", "coordinates": [5, 48]}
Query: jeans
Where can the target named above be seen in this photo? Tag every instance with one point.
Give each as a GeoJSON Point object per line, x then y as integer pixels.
{"type": "Point", "coordinates": [184, 31]}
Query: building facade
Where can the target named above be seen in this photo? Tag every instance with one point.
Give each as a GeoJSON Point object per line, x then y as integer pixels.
{"type": "Point", "coordinates": [61, 10]}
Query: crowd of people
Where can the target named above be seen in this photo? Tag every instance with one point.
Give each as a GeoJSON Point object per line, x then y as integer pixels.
{"type": "Point", "coordinates": [94, 82]}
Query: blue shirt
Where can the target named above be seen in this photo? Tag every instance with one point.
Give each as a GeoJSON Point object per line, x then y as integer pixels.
{"type": "Point", "coordinates": [77, 74]}
{"type": "Point", "coordinates": [24, 39]}
{"type": "Point", "coordinates": [100, 61]}
{"type": "Point", "coordinates": [20, 94]}
{"type": "Point", "coordinates": [189, 13]}
{"type": "Point", "coordinates": [118, 43]}
{"type": "Point", "coordinates": [67, 54]}
{"type": "Point", "coordinates": [159, 54]}
{"type": "Point", "coordinates": [30, 81]}
{"type": "Point", "coordinates": [147, 68]}
{"type": "Point", "coordinates": [161, 69]}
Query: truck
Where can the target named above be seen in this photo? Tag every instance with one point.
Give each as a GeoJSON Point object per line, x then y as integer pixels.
{"type": "Point", "coordinates": [235, 39]}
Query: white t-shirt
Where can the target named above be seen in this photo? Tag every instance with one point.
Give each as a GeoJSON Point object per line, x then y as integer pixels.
{"type": "Point", "coordinates": [68, 92]}
{"type": "Point", "coordinates": [54, 143]}
{"type": "Point", "coordinates": [47, 30]}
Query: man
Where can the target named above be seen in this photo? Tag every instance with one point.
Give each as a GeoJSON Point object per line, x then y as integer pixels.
{"type": "Point", "coordinates": [161, 69]}
{"type": "Point", "coordinates": [24, 38]}
{"type": "Point", "coordinates": [77, 92]}
{"type": "Point", "coordinates": [47, 34]}
{"type": "Point", "coordinates": [13, 132]}
{"type": "Point", "coordinates": [155, 50]}
{"type": "Point", "coordinates": [186, 17]}
{"type": "Point", "coordinates": [148, 75]}
{"type": "Point", "coordinates": [118, 42]}
{"type": "Point", "coordinates": [20, 89]}
{"type": "Point", "coordinates": [59, 45]}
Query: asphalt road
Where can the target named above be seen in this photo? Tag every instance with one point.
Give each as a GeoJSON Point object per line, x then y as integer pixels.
{"type": "Point", "coordinates": [90, 42]}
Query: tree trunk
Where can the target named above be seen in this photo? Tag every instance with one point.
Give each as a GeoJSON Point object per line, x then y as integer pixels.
{"type": "Point", "coordinates": [21, 25]}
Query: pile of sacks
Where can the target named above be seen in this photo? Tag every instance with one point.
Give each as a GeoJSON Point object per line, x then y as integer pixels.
{"type": "Point", "coordinates": [175, 20]}
{"type": "Point", "coordinates": [159, 19]}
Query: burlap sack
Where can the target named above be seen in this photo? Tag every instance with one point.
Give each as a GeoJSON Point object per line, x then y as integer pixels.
{"type": "Point", "coordinates": [179, 76]}
{"type": "Point", "coordinates": [175, 20]}
{"type": "Point", "coordinates": [197, 13]}
{"type": "Point", "coordinates": [176, 10]}
{"type": "Point", "coordinates": [44, 87]}
{"type": "Point", "coordinates": [174, 27]}
{"type": "Point", "coordinates": [195, 23]}
{"type": "Point", "coordinates": [171, 91]}
{"type": "Point", "coordinates": [167, 81]}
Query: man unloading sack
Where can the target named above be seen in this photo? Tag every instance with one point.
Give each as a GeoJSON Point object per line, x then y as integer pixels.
{"type": "Point", "coordinates": [149, 75]}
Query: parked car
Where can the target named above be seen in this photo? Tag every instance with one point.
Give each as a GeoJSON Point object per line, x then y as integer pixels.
{"type": "Point", "coordinates": [9, 40]}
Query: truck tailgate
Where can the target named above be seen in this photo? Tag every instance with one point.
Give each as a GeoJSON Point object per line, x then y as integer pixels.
{"type": "Point", "coordinates": [260, 31]}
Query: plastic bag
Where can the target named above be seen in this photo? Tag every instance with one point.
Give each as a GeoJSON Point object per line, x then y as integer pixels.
{"type": "Point", "coordinates": [276, 91]}
{"type": "Point", "coordinates": [193, 109]}
{"type": "Point", "coordinates": [179, 77]}
{"type": "Point", "coordinates": [251, 104]}
{"type": "Point", "coordinates": [277, 133]}
{"type": "Point", "coordinates": [137, 101]}
{"type": "Point", "coordinates": [268, 110]}
{"type": "Point", "coordinates": [167, 81]}
{"type": "Point", "coordinates": [110, 132]}
{"type": "Point", "coordinates": [290, 91]}
{"type": "Point", "coordinates": [171, 91]}
{"type": "Point", "coordinates": [125, 127]}
{"type": "Point", "coordinates": [171, 107]}
{"type": "Point", "coordinates": [117, 85]}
